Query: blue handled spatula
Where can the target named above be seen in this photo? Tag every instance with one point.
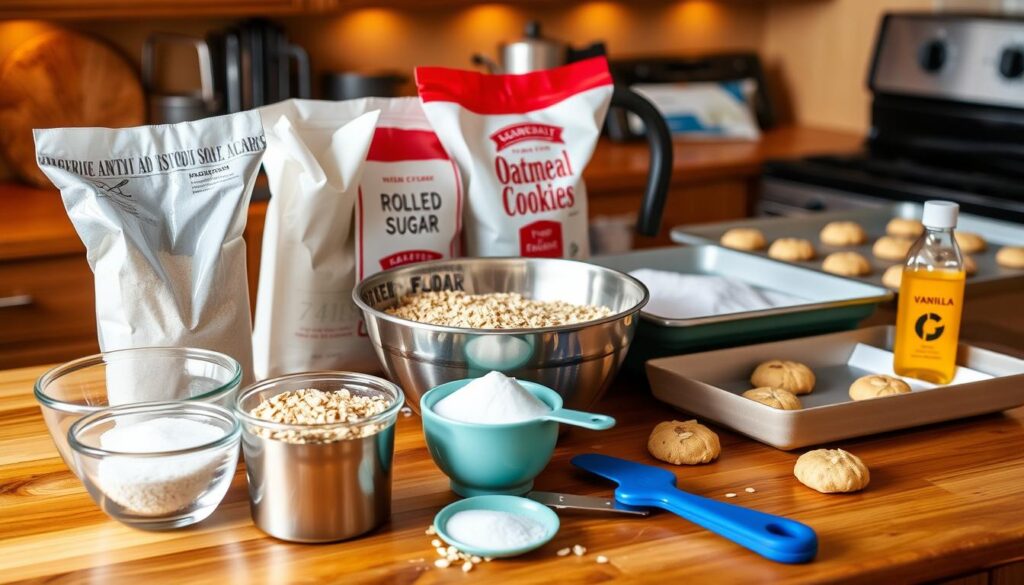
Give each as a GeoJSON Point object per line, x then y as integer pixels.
{"type": "Point", "coordinates": [774, 537]}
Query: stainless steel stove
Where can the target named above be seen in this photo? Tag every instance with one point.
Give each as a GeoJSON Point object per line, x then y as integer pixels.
{"type": "Point", "coordinates": [947, 123]}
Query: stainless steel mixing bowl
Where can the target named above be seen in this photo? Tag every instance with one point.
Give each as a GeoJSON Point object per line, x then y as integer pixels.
{"type": "Point", "coordinates": [579, 360]}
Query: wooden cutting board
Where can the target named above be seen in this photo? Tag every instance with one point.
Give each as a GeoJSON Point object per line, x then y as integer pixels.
{"type": "Point", "coordinates": [62, 78]}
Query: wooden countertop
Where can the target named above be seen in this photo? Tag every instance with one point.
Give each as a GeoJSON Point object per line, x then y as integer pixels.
{"type": "Point", "coordinates": [33, 221]}
{"type": "Point", "coordinates": [943, 501]}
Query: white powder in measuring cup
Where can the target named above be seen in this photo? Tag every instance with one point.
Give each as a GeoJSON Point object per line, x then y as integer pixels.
{"type": "Point", "coordinates": [157, 486]}
{"type": "Point", "coordinates": [492, 529]}
{"type": "Point", "coordinates": [492, 399]}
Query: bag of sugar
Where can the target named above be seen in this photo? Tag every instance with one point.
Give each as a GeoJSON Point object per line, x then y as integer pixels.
{"type": "Point", "coordinates": [161, 211]}
{"type": "Point", "coordinates": [521, 142]}
{"type": "Point", "coordinates": [409, 206]}
{"type": "Point", "coordinates": [305, 318]}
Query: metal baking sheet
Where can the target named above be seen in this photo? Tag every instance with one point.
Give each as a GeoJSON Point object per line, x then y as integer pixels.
{"type": "Point", "coordinates": [817, 289]}
{"type": "Point", "coordinates": [990, 275]}
{"type": "Point", "coordinates": [831, 303]}
{"type": "Point", "coordinates": [710, 385]}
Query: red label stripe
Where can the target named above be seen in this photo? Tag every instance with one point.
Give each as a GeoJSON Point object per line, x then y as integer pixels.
{"type": "Point", "coordinates": [396, 145]}
{"type": "Point", "coordinates": [408, 257]}
{"type": "Point", "coordinates": [511, 94]}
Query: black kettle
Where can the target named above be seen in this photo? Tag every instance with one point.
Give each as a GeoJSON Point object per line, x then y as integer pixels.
{"type": "Point", "coordinates": [535, 52]}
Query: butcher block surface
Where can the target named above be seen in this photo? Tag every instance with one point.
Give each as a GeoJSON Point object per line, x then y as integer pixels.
{"type": "Point", "coordinates": [944, 501]}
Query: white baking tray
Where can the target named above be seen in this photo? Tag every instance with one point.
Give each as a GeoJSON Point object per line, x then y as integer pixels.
{"type": "Point", "coordinates": [709, 385]}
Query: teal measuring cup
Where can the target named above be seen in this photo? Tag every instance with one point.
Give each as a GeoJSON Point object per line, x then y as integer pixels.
{"type": "Point", "coordinates": [482, 459]}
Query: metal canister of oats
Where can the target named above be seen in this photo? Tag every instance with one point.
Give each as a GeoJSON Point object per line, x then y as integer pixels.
{"type": "Point", "coordinates": [318, 453]}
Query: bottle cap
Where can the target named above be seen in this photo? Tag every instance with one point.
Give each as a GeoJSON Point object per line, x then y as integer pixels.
{"type": "Point", "coordinates": [940, 214]}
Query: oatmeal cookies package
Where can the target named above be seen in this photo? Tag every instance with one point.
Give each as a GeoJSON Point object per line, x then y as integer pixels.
{"type": "Point", "coordinates": [521, 142]}
{"type": "Point", "coordinates": [409, 207]}
{"type": "Point", "coordinates": [161, 210]}
{"type": "Point", "coordinates": [305, 318]}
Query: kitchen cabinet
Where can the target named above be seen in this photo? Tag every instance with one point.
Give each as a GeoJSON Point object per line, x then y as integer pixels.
{"type": "Point", "coordinates": [716, 200]}
{"type": "Point", "coordinates": [45, 306]}
{"type": "Point", "coordinates": [106, 9]}
{"type": "Point", "coordinates": [47, 283]}
{"type": "Point", "coordinates": [75, 9]}
{"type": "Point", "coordinates": [78, 9]}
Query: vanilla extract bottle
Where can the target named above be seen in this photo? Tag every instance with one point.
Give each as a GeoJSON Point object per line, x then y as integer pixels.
{"type": "Point", "coordinates": [931, 300]}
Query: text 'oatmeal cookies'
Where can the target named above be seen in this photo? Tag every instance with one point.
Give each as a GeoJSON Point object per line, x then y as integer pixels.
{"type": "Point", "coordinates": [493, 310]}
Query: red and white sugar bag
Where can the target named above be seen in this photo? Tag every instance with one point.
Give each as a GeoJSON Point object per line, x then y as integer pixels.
{"type": "Point", "coordinates": [409, 205]}
{"type": "Point", "coordinates": [521, 142]}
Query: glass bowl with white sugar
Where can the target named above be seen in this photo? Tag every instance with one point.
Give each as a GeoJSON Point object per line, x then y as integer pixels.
{"type": "Point", "coordinates": [157, 465]}
{"type": "Point", "coordinates": [89, 384]}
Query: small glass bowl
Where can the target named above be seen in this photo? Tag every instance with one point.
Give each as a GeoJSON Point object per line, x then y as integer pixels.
{"type": "Point", "coordinates": [130, 376]}
{"type": "Point", "coordinates": [156, 490]}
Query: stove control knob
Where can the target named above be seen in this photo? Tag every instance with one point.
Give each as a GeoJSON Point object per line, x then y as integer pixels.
{"type": "Point", "coordinates": [932, 55]}
{"type": "Point", "coordinates": [1011, 62]}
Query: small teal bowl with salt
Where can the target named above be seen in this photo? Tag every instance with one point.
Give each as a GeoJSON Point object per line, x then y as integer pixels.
{"type": "Point", "coordinates": [482, 459]}
{"type": "Point", "coordinates": [537, 514]}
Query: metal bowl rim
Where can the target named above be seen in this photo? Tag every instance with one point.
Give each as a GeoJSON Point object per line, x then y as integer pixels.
{"type": "Point", "coordinates": [357, 299]}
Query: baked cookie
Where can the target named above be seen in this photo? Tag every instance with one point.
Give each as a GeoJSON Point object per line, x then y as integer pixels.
{"type": "Point", "coordinates": [1010, 257]}
{"type": "Point", "coordinates": [846, 264]}
{"type": "Point", "coordinates": [775, 398]}
{"type": "Point", "coordinates": [891, 248]}
{"type": "Point", "coordinates": [792, 250]}
{"type": "Point", "coordinates": [902, 227]}
{"type": "Point", "coordinates": [877, 386]}
{"type": "Point", "coordinates": [832, 471]}
{"type": "Point", "coordinates": [893, 276]}
{"type": "Point", "coordinates": [970, 243]}
{"type": "Point", "coordinates": [842, 233]}
{"type": "Point", "coordinates": [683, 443]}
{"type": "Point", "coordinates": [743, 239]}
{"type": "Point", "coordinates": [787, 375]}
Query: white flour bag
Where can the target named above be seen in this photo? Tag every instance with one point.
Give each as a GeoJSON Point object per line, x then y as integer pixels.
{"type": "Point", "coordinates": [305, 317]}
{"type": "Point", "coordinates": [521, 142]}
{"type": "Point", "coordinates": [161, 211]}
{"type": "Point", "coordinates": [409, 207]}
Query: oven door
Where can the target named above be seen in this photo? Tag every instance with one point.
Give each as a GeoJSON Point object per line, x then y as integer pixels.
{"type": "Point", "coordinates": [784, 197]}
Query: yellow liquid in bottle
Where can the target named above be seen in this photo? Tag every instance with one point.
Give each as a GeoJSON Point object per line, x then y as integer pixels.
{"type": "Point", "coordinates": [928, 324]}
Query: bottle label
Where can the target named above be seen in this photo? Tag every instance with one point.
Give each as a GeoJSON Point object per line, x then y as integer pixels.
{"type": "Point", "coordinates": [929, 321]}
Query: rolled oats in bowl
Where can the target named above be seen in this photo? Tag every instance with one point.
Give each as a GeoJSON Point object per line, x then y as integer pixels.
{"type": "Point", "coordinates": [564, 324]}
{"type": "Point", "coordinates": [319, 437]}
{"type": "Point", "coordinates": [492, 310]}
{"type": "Point", "coordinates": [311, 406]}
